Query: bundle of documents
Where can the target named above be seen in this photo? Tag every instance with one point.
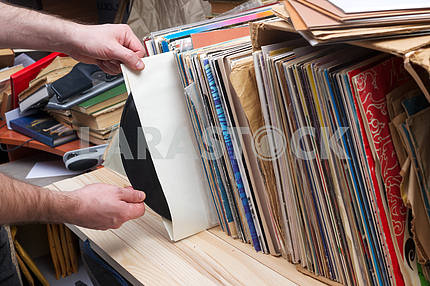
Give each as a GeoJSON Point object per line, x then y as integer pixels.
{"type": "Point", "coordinates": [313, 153]}
{"type": "Point", "coordinates": [328, 21]}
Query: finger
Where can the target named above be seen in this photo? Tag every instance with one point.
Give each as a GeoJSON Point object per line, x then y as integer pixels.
{"type": "Point", "coordinates": [141, 54]}
{"type": "Point", "coordinates": [116, 62]}
{"type": "Point", "coordinates": [102, 65]}
{"type": "Point", "coordinates": [106, 67]}
{"type": "Point", "coordinates": [133, 43]}
{"type": "Point", "coordinates": [136, 210]}
{"type": "Point", "coordinates": [132, 196]}
{"type": "Point", "coordinates": [84, 59]}
{"type": "Point", "coordinates": [113, 66]}
{"type": "Point", "coordinates": [127, 57]}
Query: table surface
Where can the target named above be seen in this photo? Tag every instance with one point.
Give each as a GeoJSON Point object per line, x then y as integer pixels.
{"type": "Point", "coordinates": [141, 251]}
{"type": "Point", "coordinates": [11, 137]}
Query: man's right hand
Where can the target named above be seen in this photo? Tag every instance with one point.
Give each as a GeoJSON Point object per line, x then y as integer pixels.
{"type": "Point", "coordinates": [106, 45]}
{"type": "Point", "coordinates": [102, 206]}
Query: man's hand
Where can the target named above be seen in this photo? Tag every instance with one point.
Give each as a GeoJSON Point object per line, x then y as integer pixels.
{"type": "Point", "coordinates": [97, 206]}
{"type": "Point", "coordinates": [107, 46]}
{"type": "Point", "coordinates": [102, 206]}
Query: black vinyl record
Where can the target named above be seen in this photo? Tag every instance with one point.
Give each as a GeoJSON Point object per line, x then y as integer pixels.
{"type": "Point", "coordinates": [140, 171]}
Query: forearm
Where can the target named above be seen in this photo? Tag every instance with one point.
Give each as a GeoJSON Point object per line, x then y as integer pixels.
{"type": "Point", "coordinates": [105, 45]}
{"type": "Point", "coordinates": [21, 202]}
{"type": "Point", "coordinates": [23, 28]}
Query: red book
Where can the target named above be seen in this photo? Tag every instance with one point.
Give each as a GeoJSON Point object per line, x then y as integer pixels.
{"type": "Point", "coordinates": [20, 80]}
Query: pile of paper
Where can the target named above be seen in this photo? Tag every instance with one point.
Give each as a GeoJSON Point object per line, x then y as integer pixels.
{"type": "Point", "coordinates": [329, 21]}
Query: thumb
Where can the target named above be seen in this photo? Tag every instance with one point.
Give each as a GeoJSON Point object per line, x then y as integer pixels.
{"type": "Point", "coordinates": [128, 58]}
{"type": "Point", "coordinates": [135, 210]}
{"type": "Point", "coordinates": [130, 195]}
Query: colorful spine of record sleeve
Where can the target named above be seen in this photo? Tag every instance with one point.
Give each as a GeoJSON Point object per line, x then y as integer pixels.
{"type": "Point", "coordinates": [230, 151]}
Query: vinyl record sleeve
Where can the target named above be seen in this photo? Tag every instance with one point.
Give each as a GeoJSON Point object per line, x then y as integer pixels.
{"type": "Point", "coordinates": [159, 99]}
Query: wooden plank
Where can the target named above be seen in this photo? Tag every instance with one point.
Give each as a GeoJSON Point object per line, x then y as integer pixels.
{"type": "Point", "coordinates": [199, 257]}
{"type": "Point", "coordinates": [240, 265]}
{"type": "Point", "coordinates": [124, 259]}
{"type": "Point", "coordinates": [278, 264]}
{"type": "Point", "coordinates": [170, 266]}
{"type": "Point", "coordinates": [142, 251]}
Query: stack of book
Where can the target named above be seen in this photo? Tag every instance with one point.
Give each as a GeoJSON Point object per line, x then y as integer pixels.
{"type": "Point", "coordinates": [44, 129]}
{"type": "Point", "coordinates": [63, 116]}
{"type": "Point", "coordinates": [96, 118]}
{"type": "Point", "coordinates": [33, 120]}
{"type": "Point", "coordinates": [10, 65]}
{"type": "Point", "coordinates": [93, 120]}
{"type": "Point", "coordinates": [331, 172]}
{"type": "Point", "coordinates": [36, 95]}
{"type": "Point", "coordinates": [6, 58]}
{"type": "Point", "coordinates": [5, 88]}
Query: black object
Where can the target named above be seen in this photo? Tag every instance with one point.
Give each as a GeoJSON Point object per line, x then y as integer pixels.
{"type": "Point", "coordinates": [99, 271]}
{"type": "Point", "coordinates": [33, 4]}
{"type": "Point", "coordinates": [85, 158]}
{"type": "Point", "coordinates": [83, 164]}
{"type": "Point", "coordinates": [101, 82]}
{"type": "Point", "coordinates": [76, 81]}
{"type": "Point", "coordinates": [140, 171]}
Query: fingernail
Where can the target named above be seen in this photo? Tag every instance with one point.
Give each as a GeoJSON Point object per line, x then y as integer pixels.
{"type": "Point", "coordinates": [143, 196]}
{"type": "Point", "coordinates": [140, 65]}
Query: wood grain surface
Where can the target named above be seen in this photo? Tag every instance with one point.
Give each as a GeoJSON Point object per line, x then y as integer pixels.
{"type": "Point", "coordinates": [142, 252]}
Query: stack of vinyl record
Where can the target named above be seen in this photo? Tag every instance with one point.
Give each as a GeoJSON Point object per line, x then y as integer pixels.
{"type": "Point", "coordinates": [313, 153]}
